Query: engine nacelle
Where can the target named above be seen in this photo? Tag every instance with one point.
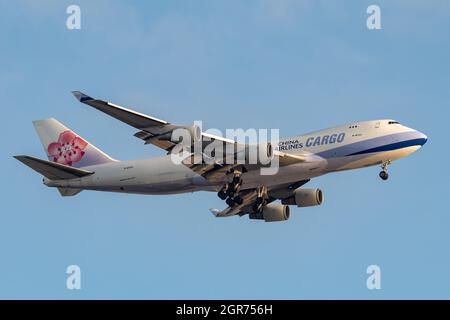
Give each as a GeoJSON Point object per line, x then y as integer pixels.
{"type": "Point", "coordinates": [179, 133]}
{"type": "Point", "coordinates": [276, 212]}
{"type": "Point", "coordinates": [264, 151]}
{"type": "Point", "coordinates": [272, 212]}
{"type": "Point", "coordinates": [305, 198]}
{"type": "Point", "coordinates": [261, 153]}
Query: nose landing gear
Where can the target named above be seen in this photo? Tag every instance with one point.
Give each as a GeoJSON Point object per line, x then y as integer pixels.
{"type": "Point", "coordinates": [384, 174]}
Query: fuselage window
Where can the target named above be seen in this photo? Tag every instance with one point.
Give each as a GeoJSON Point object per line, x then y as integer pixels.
{"type": "Point", "coordinates": [393, 122]}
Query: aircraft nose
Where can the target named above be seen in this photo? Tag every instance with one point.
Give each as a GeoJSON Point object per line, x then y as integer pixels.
{"type": "Point", "coordinates": [422, 138]}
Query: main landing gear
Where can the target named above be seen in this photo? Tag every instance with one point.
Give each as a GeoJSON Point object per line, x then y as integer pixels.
{"type": "Point", "coordinates": [261, 199]}
{"type": "Point", "coordinates": [384, 174]}
{"type": "Point", "coordinates": [230, 192]}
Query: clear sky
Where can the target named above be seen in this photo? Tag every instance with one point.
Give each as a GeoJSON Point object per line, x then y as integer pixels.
{"type": "Point", "coordinates": [294, 65]}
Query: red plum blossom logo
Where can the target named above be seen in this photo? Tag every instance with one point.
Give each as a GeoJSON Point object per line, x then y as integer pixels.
{"type": "Point", "coordinates": [68, 149]}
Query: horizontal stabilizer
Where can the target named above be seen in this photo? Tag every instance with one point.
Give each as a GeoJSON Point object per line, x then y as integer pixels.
{"type": "Point", "coordinates": [53, 170]}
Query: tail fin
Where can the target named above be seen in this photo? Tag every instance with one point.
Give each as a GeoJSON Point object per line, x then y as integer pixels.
{"type": "Point", "coordinates": [64, 146]}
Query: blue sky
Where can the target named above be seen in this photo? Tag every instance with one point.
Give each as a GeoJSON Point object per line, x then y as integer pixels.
{"type": "Point", "coordinates": [294, 65]}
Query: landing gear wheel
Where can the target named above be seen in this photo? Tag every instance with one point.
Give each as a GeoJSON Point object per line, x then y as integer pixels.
{"type": "Point", "coordinates": [384, 175]}
{"type": "Point", "coordinates": [222, 194]}
{"type": "Point", "coordinates": [238, 200]}
{"type": "Point", "coordinates": [231, 190]}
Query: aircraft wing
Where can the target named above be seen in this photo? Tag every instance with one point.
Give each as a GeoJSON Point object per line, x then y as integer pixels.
{"type": "Point", "coordinates": [133, 118]}
{"type": "Point", "coordinates": [249, 196]}
{"type": "Point", "coordinates": [151, 128]}
{"type": "Point", "coordinates": [152, 131]}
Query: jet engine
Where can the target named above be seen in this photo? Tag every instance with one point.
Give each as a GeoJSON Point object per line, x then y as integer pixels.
{"type": "Point", "coordinates": [261, 153]}
{"type": "Point", "coordinates": [272, 212]}
{"type": "Point", "coordinates": [305, 198]}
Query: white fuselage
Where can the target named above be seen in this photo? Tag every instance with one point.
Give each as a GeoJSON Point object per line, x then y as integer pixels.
{"type": "Point", "coordinates": [345, 147]}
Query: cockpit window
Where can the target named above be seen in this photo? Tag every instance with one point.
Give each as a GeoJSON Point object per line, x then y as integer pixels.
{"type": "Point", "coordinates": [393, 122]}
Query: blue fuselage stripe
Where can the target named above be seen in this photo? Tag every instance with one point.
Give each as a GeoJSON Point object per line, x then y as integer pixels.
{"type": "Point", "coordinates": [392, 146]}
{"type": "Point", "coordinates": [377, 144]}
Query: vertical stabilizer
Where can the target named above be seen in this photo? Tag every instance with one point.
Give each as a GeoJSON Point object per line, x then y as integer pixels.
{"type": "Point", "coordinates": [64, 146]}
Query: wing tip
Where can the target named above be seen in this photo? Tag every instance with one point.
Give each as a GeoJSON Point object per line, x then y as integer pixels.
{"type": "Point", "coordinates": [214, 211]}
{"type": "Point", "coordinates": [80, 96]}
{"type": "Point", "coordinates": [20, 157]}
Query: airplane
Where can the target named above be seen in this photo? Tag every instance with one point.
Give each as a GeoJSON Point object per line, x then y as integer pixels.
{"type": "Point", "coordinates": [74, 164]}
